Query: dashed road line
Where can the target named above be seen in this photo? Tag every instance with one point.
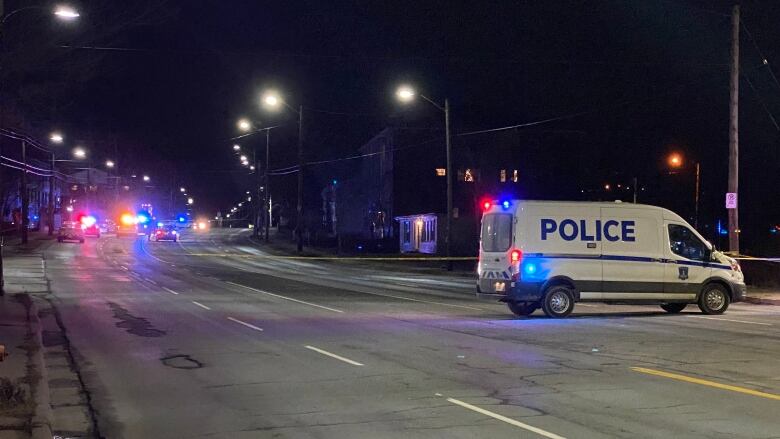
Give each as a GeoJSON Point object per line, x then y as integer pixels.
{"type": "Point", "coordinates": [715, 384]}
{"type": "Point", "coordinates": [201, 305]}
{"type": "Point", "coordinates": [170, 291]}
{"type": "Point", "coordinates": [286, 298]}
{"type": "Point", "coordinates": [503, 418]}
{"type": "Point", "coordinates": [248, 325]}
{"type": "Point", "coordinates": [730, 320]}
{"type": "Point", "coordinates": [332, 355]}
{"type": "Point", "coordinates": [150, 281]}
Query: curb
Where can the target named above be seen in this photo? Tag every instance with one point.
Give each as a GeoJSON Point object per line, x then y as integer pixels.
{"type": "Point", "coordinates": [42, 417]}
{"type": "Point", "coordinates": [762, 301]}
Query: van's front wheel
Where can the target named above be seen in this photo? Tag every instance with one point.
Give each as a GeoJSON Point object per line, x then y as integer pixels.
{"type": "Point", "coordinates": [714, 299]}
{"type": "Point", "coordinates": [558, 301]}
{"type": "Point", "coordinates": [522, 308]}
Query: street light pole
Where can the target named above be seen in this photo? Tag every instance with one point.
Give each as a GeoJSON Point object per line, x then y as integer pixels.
{"type": "Point", "coordinates": [448, 222]}
{"type": "Point", "coordinates": [25, 200]}
{"type": "Point", "coordinates": [733, 182]}
{"type": "Point", "coordinates": [300, 180]}
{"type": "Point", "coordinates": [51, 197]}
{"type": "Point", "coordinates": [267, 192]}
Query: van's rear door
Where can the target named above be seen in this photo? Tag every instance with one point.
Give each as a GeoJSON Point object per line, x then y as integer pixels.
{"type": "Point", "coordinates": [496, 239]}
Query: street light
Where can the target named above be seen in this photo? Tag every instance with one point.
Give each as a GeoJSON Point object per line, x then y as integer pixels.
{"type": "Point", "coordinates": [79, 152]}
{"type": "Point", "coordinates": [66, 13]}
{"type": "Point", "coordinates": [182, 190]}
{"type": "Point", "coordinates": [272, 100]}
{"type": "Point", "coordinates": [236, 147]}
{"type": "Point", "coordinates": [244, 125]}
{"type": "Point", "coordinates": [146, 178]}
{"type": "Point", "coordinates": [243, 158]}
{"type": "Point", "coordinates": [190, 200]}
{"type": "Point", "coordinates": [406, 93]}
{"type": "Point", "coordinates": [110, 164]}
{"type": "Point", "coordinates": [675, 160]}
{"type": "Point", "coordinates": [56, 137]}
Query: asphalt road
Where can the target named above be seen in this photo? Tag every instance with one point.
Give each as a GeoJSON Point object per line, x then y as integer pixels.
{"type": "Point", "coordinates": [211, 337]}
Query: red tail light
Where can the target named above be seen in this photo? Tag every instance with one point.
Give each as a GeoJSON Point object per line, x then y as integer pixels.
{"type": "Point", "coordinates": [516, 256]}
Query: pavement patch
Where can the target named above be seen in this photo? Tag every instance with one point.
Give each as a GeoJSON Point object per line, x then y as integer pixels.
{"type": "Point", "coordinates": [132, 324]}
{"type": "Point", "coordinates": [181, 362]}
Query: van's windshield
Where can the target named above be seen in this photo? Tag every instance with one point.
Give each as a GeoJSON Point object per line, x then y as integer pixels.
{"type": "Point", "coordinates": [496, 232]}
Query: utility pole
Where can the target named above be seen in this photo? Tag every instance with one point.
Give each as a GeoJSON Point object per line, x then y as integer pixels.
{"type": "Point", "coordinates": [267, 192]}
{"type": "Point", "coordinates": [299, 225]}
{"type": "Point", "coordinates": [256, 195]}
{"type": "Point", "coordinates": [733, 184]}
{"type": "Point", "coordinates": [25, 200]}
{"type": "Point", "coordinates": [698, 191]}
{"type": "Point", "coordinates": [51, 197]}
{"type": "Point", "coordinates": [448, 222]}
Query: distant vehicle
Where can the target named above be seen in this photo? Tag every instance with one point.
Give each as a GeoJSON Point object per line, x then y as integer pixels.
{"type": "Point", "coordinates": [93, 230]}
{"type": "Point", "coordinates": [127, 226]}
{"type": "Point", "coordinates": [108, 226]}
{"type": "Point", "coordinates": [70, 231]}
{"type": "Point", "coordinates": [164, 233]}
{"type": "Point", "coordinates": [552, 254]}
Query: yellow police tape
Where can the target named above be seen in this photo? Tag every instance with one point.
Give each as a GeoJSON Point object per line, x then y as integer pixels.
{"type": "Point", "coordinates": [341, 258]}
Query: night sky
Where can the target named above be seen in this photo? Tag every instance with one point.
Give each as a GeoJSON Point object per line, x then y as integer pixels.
{"type": "Point", "coordinates": [641, 78]}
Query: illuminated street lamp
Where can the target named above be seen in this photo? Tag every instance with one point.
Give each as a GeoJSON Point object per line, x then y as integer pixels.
{"type": "Point", "coordinates": [56, 137]}
{"type": "Point", "coordinates": [66, 13]}
{"type": "Point", "coordinates": [190, 200]}
{"type": "Point", "coordinates": [236, 147]}
{"type": "Point", "coordinates": [79, 152]}
{"type": "Point", "coordinates": [182, 190]}
{"type": "Point", "coordinates": [274, 101]}
{"type": "Point", "coordinates": [110, 164]}
{"type": "Point", "coordinates": [675, 160]}
{"type": "Point", "coordinates": [244, 125]}
{"type": "Point", "coordinates": [252, 168]}
{"type": "Point", "coordinates": [243, 158]}
{"type": "Point", "coordinates": [406, 94]}
{"type": "Point", "coordinates": [146, 178]}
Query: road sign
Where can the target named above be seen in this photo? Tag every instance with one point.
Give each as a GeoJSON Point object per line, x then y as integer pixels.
{"type": "Point", "coordinates": [731, 200]}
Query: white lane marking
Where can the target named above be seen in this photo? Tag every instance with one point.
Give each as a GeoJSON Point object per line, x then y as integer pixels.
{"type": "Point", "coordinates": [201, 305]}
{"type": "Point", "coordinates": [248, 325]}
{"type": "Point", "coordinates": [735, 321]}
{"type": "Point", "coordinates": [286, 298]}
{"type": "Point", "coordinates": [170, 290]}
{"type": "Point", "coordinates": [124, 268]}
{"type": "Point", "coordinates": [427, 301]}
{"type": "Point", "coordinates": [150, 281]}
{"type": "Point", "coordinates": [332, 355]}
{"type": "Point", "coordinates": [510, 421]}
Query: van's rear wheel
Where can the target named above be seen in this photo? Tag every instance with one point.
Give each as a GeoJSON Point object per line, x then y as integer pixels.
{"type": "Point", "coordinates": [522, 308]}
{"type": "Point", "coordinates": [673, 308]}
{"type": "Point", "coordinates": [714, 299]}
{"type": "Point", "coordinates": [558, 301]}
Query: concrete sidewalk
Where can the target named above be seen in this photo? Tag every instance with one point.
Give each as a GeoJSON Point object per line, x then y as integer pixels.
{"type": "Point", "coordinates": [763, 296]}
{"type": "Point", "coordinates": [23, 389]}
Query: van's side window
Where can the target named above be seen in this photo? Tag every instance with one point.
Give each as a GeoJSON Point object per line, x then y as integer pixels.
{"type": "Point", "coordinates": [684, 243]}
{"type": "Point", "coordinates": [496, 232]}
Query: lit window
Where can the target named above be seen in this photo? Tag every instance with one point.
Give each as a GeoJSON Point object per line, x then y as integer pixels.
{"type": "Point", "coordinates": [468, 176]}
{"type": "Point", "coordinates": [503, 176]}
{"type": "Point", "coordinates": [514, 176]}
{"type": "Point", "coordinates": [441, 172]}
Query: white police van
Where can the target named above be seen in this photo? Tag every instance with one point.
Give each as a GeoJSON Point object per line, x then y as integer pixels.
{"type": "Point", "coordinates": [549, 255]}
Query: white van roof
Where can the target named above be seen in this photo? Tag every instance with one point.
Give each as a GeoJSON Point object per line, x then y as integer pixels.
{"type": "Point", "coordinates": [515, 204]}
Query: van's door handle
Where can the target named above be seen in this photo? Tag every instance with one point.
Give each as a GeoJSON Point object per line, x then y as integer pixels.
{"type": "Point", "coordinates": [659, 260]}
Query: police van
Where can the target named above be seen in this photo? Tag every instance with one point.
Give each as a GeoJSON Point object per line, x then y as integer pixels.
{"type": "Point", "coordinates": [549, 255]}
